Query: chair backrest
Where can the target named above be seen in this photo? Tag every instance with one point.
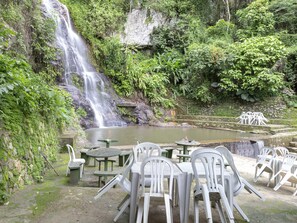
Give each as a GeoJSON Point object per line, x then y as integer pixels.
{"type": "Point", "coordinates": [157, 169]}
{"type": "Point", "coordinates": [266, 156]}
{"type": "Point", "coordinates": [146, 149]}
{"type": "Point", "coordinates": [213, 164]}
{"type": "Point", "coordinates": [70, 152]}
{"type": "Point", "coordinates": [288, 162]}
{"type": "Point", "coordinates": [281, 151]}
{"type": "Point", "coordinates": [237, 183]}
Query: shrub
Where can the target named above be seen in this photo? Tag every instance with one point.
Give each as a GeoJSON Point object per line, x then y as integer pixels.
{"type": "Point", "coordinates": [249, 73]}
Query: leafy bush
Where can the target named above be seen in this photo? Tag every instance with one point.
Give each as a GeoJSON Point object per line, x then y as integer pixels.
{"type": "Point", "coordinates": [204, 62]}
{"type": "Point", "coordinates": [250, 74]}
{"type": "Point", "coordinates": [171, 8]}
{"type": "Point", "coordinates": [170, 36]}
{"type": "Point", "coordinates": [255, 20]}
{"type": "Point", "coordinates": [221, 30]}
{"type": "Point", "coordinates": [149, 79]}
{"type": "Point", "coordinates": [285, 15]}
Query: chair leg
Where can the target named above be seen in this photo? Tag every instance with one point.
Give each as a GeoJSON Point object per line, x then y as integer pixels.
{"type": "Point", "coordinates": [106, 187]}
{"type": "Point", "coordinates": [221, 212]}
{"type": "Point", "coordinates": [140, 211]}
{"type": "Point", "coordinates": [81, 170]}
{"type": "Point", "coordinates": [282, 181]}
{"type": "Point", "coordinates": [123, 201]}
{"type": "Point", "coordinates": [123, 208]}
{"type": "Point", "coordinates": [243, 215]}
{"type": "Point", "coordinates": [146, 207]}
{"type": "Point", "coordinates": [226, 204]}
{"type": "Point", "coordinates": [295, 193]}
{"type": "Point", "coordinates": [168, 208]}
{"type": "Point", "coordinates": [207, 204]}
{"type": "Point", "coordinates": [255, 177]}
{"type": "Point", "coordinates": [270, 178]}
{"type": "Point", "coordinates": [196, 211]}
{"type": "Point", "coordinates": [250, 188]}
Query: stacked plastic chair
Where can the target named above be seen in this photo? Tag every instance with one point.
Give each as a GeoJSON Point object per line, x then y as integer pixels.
{"type": "Point", "coordinates": [213, 190]}
{"type": "Point", "coordinates": [265, 163]}
{"type": "Point", "coordinates": [153, 168]}
{"type": "Point", "coordinates": [239, 183]}
{"type": "Point", "coordinates": [286, 172]}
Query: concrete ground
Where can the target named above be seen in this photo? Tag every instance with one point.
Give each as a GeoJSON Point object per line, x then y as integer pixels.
{"type": "Point", "coordinates": [56, 201]}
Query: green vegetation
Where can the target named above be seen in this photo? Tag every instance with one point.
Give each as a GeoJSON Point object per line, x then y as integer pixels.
{"type": "Point", "coordinates": [207, 52]}
{"type": "Point", "coordinates": [32, 110]}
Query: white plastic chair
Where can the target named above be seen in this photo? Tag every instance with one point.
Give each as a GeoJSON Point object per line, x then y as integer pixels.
{"type": "Point", "coordinates": [243, 118]}
{"type": "Point", "coordinates": [213, 189]}
{"type": "Point", "coordinates": [154, 168]}
{"type": "Point", "coordinates": [75, 160]}
{"type": "Point", "coordinates": [122, 180]}
{"type": "Point", "coordinates": [265, 163]}
{"type": "Point", "coordinates": [286, 172]}
{"type": "Point", "coordinates": [146, 149]}
{"type": "Point", "coordinates": [238, 182]}
{"type": "Point", "coordinates": [281, 151]}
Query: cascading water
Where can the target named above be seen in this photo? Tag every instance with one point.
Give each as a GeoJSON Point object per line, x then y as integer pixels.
{"type": "Point", "coordinates": [76, 65]}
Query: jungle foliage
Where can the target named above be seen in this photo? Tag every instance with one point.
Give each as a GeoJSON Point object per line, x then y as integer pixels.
{"type": "Point", "coordinates": [33, 111]}
{"type": "Point", "coordinates": [207, 51]}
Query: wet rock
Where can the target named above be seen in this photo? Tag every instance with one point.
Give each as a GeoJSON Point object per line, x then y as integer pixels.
{"type": "Point", "coordinates": [79, 101]}
{"type": "Point", "coordinates": [145, 115]}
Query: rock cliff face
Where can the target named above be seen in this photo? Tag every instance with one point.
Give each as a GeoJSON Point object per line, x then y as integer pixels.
{"type": "Point", "coordinates": [138, 28]}
{"type": "Point", "coordinates": [140, 24]}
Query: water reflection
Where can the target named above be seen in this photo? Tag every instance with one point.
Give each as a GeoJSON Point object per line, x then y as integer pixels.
{"type": "Point", "coordinates": [131, 134]}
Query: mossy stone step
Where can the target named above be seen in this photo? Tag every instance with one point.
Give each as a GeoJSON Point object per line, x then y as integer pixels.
{"type": "Point", "coordinates": [281, 130]}
{"type": "Point", "coordinates": [293, 144]}
{"type": "Point", "coordinates": [292, 149]}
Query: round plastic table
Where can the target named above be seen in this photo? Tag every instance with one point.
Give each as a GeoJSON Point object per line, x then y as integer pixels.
{"type": "Point", "coordinates": [185, 144]}
{"type": "Point", "coordinates": [104, 153]}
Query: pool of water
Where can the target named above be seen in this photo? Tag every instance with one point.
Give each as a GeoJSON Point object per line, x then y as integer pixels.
{"type": "Point", "coordinates": [131, 134]}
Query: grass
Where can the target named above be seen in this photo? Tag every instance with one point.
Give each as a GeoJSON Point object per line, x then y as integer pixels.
{"type": "Point", "coordinates": [271, 108]}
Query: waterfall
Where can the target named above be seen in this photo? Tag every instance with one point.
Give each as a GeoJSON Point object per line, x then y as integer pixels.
{"type": "Point", "coordinates": [76, 66]}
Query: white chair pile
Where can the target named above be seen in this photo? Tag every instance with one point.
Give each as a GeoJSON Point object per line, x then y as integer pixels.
{"type": "Point", "coordinates": [252, 118]}
{"type": "Point", "coordinates": [239, 183]}
{"type": "Point", "coordinates": [265, 163]}
{"type": "Point", "coordinates": [280, 164]}
{"type": "Point", "coordinates": [287, 172]}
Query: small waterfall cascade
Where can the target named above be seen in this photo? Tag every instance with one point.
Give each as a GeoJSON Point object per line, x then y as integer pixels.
{"type": "Point", "coordinates": [77, 67]}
